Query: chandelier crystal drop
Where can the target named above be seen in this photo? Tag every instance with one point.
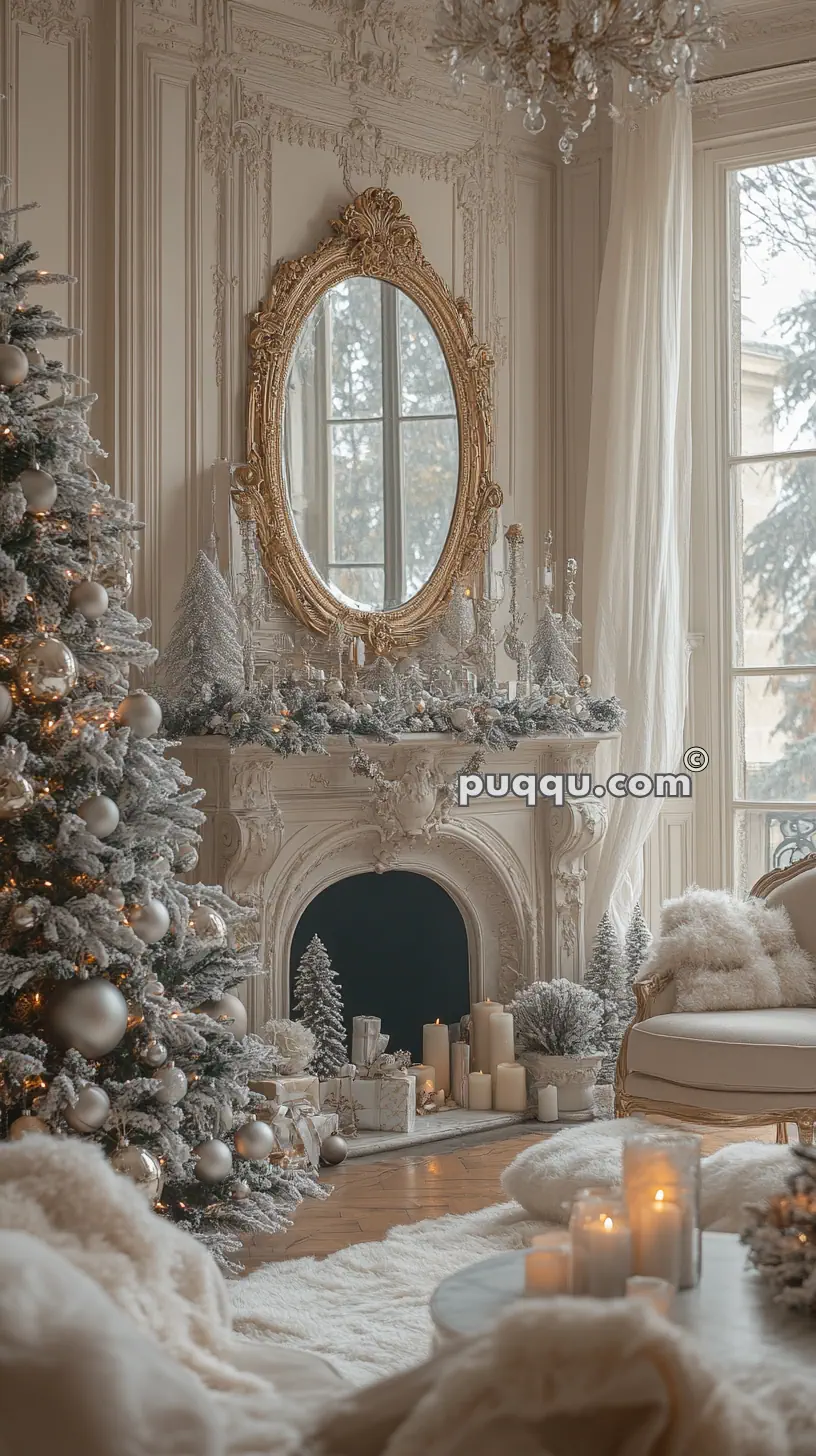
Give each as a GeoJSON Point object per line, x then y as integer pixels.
{"type": "Point", "coordinates": [563, 53]}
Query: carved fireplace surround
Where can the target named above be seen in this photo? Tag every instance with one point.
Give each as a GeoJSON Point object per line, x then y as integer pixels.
{"type": "Point", "coordinates": [280, 830]}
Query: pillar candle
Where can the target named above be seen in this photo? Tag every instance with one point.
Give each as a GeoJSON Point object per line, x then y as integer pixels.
{"type": "Point", "coordinates": [436, 1053]}
{"type": "Point", "coordinates": [480, 1091]}
{"type": "Point", "coordinates": [424, 1077]}
{"type": "Point", "coordinates": [501, 1047]}
{"type": "Point", "coordinates": [480, 1014]}
{"type": "Point", "coordinates": [548, 1104]}
{"type": "Point", "coordinates": [548, 1265]}
{"type": "Point", "coordinates": [460, 1068]}
{"type": "Point", "coordinates": [510, 1093]}
{"type": "Point", "coordinates": [608, 1246]}
{"type": "Point", "coordinates": [659, 1242]}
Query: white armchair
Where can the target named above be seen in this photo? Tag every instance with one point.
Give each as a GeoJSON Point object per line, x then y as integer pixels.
{"type": "Point", "coordinates": [732, 1068]}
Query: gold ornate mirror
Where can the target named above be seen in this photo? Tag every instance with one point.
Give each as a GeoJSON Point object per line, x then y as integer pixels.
{"type": "Point", "coordinates": [369, 432]}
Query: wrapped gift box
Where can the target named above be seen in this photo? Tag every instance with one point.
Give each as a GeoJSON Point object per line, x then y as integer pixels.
{"type": "Point", "coordinates": [289, 1089]}
{"type": "Point", "coordinates": [380, 1104]}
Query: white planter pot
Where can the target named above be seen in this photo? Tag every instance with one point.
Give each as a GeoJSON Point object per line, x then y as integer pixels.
{"type": "Point", "coordinates": [574, 1077]}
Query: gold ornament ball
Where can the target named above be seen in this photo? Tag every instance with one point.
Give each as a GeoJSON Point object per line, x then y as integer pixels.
{"type": "Point", "coordinates": [39, 489]}
{"type": "Point", "coordinates": [206, 924]}
{"type": "Point", "coordinates": [16, 795]}
{"type": "Point", "coordinates": [24, 916]}
{"type": "Point", "coordinates": [140, 1166]}
{"type": "Point", "coordinates": [150, 921]}
{"type": "Point", "coordinates": [91, 1016]}
{"type": "Point", "coordinates": [585, 681]}
{"type": "Point", "coordinates": [25, 1125]}
{"type": "Point", "coordinates": [13, 366]}
{"type": "Point", "coordinates": [254, 1140]}
{"type": "Point", "coordinates": [213, 1161]}
{"type": "Point", "coordinates": [101, 815]}
{"type": "Point", "coordinates": [333, 1149]}
{"type": "Point", "coordinates": [90, 598]}
{"type": "Point", "coordinates": [89, 1111]}
{"type": "Point", "coordinates": [46, 670]}
{"type": "Point", "coordinates": [6, 705]}
{"type": "Point", "coordinates": [116, 578]}
{"type": "Point", "coordinates": [227, 1007]}
{"type": "Point", "coordinates": [140, 713]}
{"type": "Point", "coordinates": [173, 1084]}
{"type": "Point", "coordinates": [153, 1054]}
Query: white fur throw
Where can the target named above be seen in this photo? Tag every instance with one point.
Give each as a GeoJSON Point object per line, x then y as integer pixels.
{"type": "Point", "coordinates": [545, 1178]}
{"type": "Point", "coordinates": [727, 954]}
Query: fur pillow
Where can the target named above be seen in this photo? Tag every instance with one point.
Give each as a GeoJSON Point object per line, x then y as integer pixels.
{"type": "Point", "coordinates": [727, 954]}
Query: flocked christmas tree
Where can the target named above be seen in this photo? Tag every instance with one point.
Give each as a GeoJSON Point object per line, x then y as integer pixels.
{"type": "Point", "coordinates": [116, 1019]}
{"type": "Point", "coordinates": [606, 976]}
{"type": "Point", "coordinates": [552, 657]}
{"type": "Point", "coordinates": [635, 950]}
{"type": "Point", "coordinates": [319, 1006]}
{"type": "Point", "coordinates": [203, 658]}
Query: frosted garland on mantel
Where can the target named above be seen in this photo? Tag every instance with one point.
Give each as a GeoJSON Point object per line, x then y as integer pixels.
{"type": "Point", "coordinates": [562, 53]}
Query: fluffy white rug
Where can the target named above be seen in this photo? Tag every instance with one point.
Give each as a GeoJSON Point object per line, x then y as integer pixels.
{"type": "Point", "coordinates": [366, 1307]}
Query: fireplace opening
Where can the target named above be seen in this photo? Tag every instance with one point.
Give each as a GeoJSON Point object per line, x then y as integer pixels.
{"type": "Point", "coordinates": [399, 946]}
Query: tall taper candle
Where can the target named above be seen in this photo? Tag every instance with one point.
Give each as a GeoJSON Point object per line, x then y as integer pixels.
{"type": "Point", "coordinates": [436, 1053]}
{"type": "Point", "coordinates": [460, 1069]}
{"type": "Point", "coordinates": [480, 1014]}
{"type": "Point", "coordinates": [501, 1047]}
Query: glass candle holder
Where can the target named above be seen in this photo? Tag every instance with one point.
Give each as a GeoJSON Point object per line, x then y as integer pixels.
{"type": "Point", "coordinates": [661, 1180]}
{"type": "Point", "coordinates": [548, 1264]}
{"type": "Point", "coordinates": [656, 1292]}
{"type": "Point", "coordinates": [601, 1243]}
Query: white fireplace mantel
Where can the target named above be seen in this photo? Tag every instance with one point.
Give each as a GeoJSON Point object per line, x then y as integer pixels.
{"type": "Point", "coordinates": [279, 830]}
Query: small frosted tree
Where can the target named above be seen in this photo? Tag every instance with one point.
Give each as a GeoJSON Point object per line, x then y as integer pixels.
{"type": "Point", "coordinates": [606, 976]}
{"type": "Point", "coordinates": [635, 950]}
{"type": "Point", "coordinates": [204, 656]}
{"type": "Point", "coordinates": [551, 654]}
{"type": "Point", "coordinates": [319, 1006]}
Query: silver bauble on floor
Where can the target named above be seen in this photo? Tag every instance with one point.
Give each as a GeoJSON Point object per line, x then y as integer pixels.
{"type": "Point", "coordinates": [254, 1140]}
{"type": "Point", "coordinates": [90, 598]}
{"type": "Point", "coordinates": [90, 1016]}
{"type": "Point", "coordinates": [227, 1008]}
{"type": "Point", "coordinates": [333, 1150]}
{"type": "Point", "coordinates": [150, 921]}
{"type": "Point", "coordinates": [141, 1167]}
{"type": "Point", "coordinates": [89, 1111]}
{"type": "Point", "coordinates": [46, 670]}
{"type": "Point", "coordinates": [213, 1161]}
{"type": "Point", "coordinates": [101, 815]}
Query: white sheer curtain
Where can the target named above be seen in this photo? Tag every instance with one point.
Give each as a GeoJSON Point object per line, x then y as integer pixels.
{"type": "Point", "coordinates": [635, 594]}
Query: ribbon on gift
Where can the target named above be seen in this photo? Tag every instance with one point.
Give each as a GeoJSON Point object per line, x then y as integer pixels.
{"type": "Point", "coordinates": [294, 1122]}
{"type": "Point", "coordinates": [342, 1100]}
{"type": "Point", "coordinates": [387, 1064]}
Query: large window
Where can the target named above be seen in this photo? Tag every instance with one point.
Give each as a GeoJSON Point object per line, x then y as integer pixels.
{"type": "Point", "coordinates": [772, 470]}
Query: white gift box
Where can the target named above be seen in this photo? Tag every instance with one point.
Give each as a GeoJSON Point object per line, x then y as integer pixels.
{"type": "Point", "coordinates": [380, 1104]}
{"type": "Point", "coordinates": [289, 1089]}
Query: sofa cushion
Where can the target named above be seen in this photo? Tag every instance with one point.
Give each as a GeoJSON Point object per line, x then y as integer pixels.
{"type": "Point", "coordinates": [798, 895]}
{"type": "Point", "coordinates": [769, 1051]}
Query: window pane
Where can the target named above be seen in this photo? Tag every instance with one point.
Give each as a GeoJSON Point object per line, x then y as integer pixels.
{"type": "Point", "coordinates": [775, 739]}
{"type": "Point", "coordinates": [430, 469]}
{"type": "Point", "coordinates": [357, 471]}
{"type": "Point", "coordinates": [361, 586]}
{"type": "Point", "coordinates": [770, 841]}
{"type": "Point", "coordinates": [356, 349]}
{"type": "Point", "coordinates": [775, 609]}
{"type": "Point", "coordinates": [775, 307]}
{"type": "Point", "coordinates": [424, 378]}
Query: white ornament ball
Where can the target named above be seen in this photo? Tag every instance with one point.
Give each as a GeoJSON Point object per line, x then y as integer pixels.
{"type": "Point", "coordinates": [101, 815]}
{"type": "Point", "coordinates": [173, 1084]}
{"type": "Point", "coordinates": [89, 1111]}
{"type": "Point", "coordinates": [160, 866]}
{"type": "Point", "coordinates": [46, 670]}
{"type": "Point", "coordinates": [227, 1007]}
{"type": "Point", "coordinates": [150, 921]}
{"type": "Point", "coordinates": [115, 897]}
{"type": "Point", "coordinates": [333, 1149]}
{"type": "Point", "coordinates": [24, 916]}
{"type": "Point", "coordinates": [13, 366]}
{"type": "Point", "coordinates": [154, 987]}
{"type": "Point", "coordinates": [334, 687]}
{"type": "Point", "coordinates": [116, 578]}
{"type": "Point", "coordinates": [585, 681]}
{"type": "Point", "coordinates": [140, 713]}
{"type": "Point", "coordinates": [254, 1140]}
{"type": "Point", "coordinates": [89, 598]}
{"type": "Point", "coordinates": [462, 719]}
{"type": "Point", "coordinates": [91, 1016]}
{"type": "Point", "coordinates": [39, 489]}
{"type": "Point", "coordinates": [213, 1161]}
{"type": "Point", "coordinates": [206, 924]}
{"type": "Point", "coordinates": [6, 705]}
{"type": "Point", "coordinates": [26, 1124]}
{"type": "Point", "coordinates": [141, 1167]}
{"type": "Point", "coordinates": [154, 1054]}
{"type": "Point", "coordinates": [16, 795]}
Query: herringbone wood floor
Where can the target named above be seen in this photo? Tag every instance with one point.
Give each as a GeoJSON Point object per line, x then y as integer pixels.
{"type": "Point", "coordinates": [373, 1195]}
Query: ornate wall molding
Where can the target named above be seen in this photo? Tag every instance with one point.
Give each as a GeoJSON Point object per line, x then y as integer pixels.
{"type": "Point", "coordinates": [52, 19]}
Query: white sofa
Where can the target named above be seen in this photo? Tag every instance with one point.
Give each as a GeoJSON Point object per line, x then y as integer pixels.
{"type": "Point", "coordinates": [728, 1068]}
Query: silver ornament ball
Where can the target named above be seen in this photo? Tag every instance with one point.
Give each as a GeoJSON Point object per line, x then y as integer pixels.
{"type": "Point", "coordinates": [154, 1054]}
{"type": "Point", "coordinates": [39, 489]}
{"type": "Point", "coordinates": [239, 1190]}
{"type": "Point", "coordinates": [140, 713]}
{"type": "Point", "coordinates": [254, 1140]}
{"type": "Point", "coordinates": [26, 1124]}
{"type": "Point", "coordinates": [13, 366]}
{"type": "Point", "coordinates": [150, 921]}
{"type": "Point", "coordinates": [141, 1167]}
{"type": "Point", "coordinates": [213, 1161]}
{"type": "Point", "coordinates": [91, 1016]}
{"type": "Point", "coordinates": [186, 857]}
{"type": "Point", "coordinates": [6, 705]}
{"type": "Point", "coordinates": [206, 924]}
{"type": "Point", "coordinates": [116, 578]}
{"type": "Point", "coordinates": [227, 1008]}
{"type": "Point", "coordinates": [333, 1150]}
{"type": "Point", "coordinates": [90, 598]}
{"type": "Point", "coordinates": [154, 987]}
{"type": "Point", "coordinates": [115, 897]}
{"type": "Point", "coordinates": [173, 1084]}
{"type": "Point", "coordinates": [36, 360]}
{"type": "Point", "coordinates": [101, 815]}
{"type": "Point", "coordinates": [46, 670]}
{"type": "Point", "coordinates": [24, 916]}
{"type": "Point", "coordinates": [89, 1111]}
{"type": "Point", "coordinates": [16, 795]}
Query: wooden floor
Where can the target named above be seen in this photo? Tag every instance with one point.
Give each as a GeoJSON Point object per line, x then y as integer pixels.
{"type": "Point", "coordinates": [372, 1195]}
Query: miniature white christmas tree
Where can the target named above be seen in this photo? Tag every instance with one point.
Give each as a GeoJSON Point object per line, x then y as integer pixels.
{"type": "Point", "coordinates": [606, 976]}
{"type": "Point", "coordinates": [319, 1006]}
{"type": "Point", "coordinates": [635, 950]}
{"type": "Point", "coordinates": [204, 656]}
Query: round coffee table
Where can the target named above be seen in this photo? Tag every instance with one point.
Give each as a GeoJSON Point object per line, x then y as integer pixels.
{"type": "Point", "coordinates": [730, 1311]}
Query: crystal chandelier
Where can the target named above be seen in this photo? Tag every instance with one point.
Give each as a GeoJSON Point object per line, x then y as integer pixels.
{"type": "Point", "coordinates": [561, 53]}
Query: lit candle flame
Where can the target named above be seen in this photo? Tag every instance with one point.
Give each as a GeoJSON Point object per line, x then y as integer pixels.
{"type": "Point", "coordinates": [659, 1196]}
{"type": "Point", "coordinates": [608, 1223]}
{"type": "Point", "coordinates": [436, 1023]}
